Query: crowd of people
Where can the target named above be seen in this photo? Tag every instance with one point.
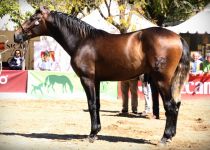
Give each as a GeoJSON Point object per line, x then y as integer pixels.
{"type": "Point", "coordinates": [16, 62]}
{"type": "Point", "coordinates": [199, 65]}
{"type": "Point", "coordinates": [151, 96]}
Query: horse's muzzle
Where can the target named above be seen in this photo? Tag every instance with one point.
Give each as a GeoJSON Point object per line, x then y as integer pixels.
{"type": "Point", "coordinates": [19, 38]}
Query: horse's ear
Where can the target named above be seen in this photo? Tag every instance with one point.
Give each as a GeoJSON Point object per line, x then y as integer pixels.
{"type": "Point", "coordinates": [44, 10]}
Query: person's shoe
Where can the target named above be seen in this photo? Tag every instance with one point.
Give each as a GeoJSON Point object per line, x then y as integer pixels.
{"type": "Point", "coordinates": [144, 114]}
{"type": "Point", "coordinates": [124, 111]}
{"type": "Point", "coordinates": [155, 117]}
{"type": "Point", "coordinates": [134, 112]}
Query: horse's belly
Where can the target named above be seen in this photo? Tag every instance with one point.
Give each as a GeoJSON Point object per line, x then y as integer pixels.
{"type": "Point", "coordinates": [117, 74]}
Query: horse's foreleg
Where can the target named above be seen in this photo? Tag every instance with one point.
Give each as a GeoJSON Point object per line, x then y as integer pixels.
{"type": "Point", "coordinates": [97, 87]}
{"type": "Point", "coordinates": [89, 87]}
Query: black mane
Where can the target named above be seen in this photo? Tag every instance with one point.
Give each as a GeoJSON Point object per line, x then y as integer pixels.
{"type": "Point", "coordinates": [74, 25]}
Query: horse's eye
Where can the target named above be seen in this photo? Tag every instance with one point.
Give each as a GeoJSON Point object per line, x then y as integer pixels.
{"type": "Point", "coordinates": [36, 22]}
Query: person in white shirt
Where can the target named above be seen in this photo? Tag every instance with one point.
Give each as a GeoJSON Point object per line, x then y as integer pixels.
{"type": "Point", "coordinates": [195, 64]}
{"type": "Point", "coordinates": [45, 63]}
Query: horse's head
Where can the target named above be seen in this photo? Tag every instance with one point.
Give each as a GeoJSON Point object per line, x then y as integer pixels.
{"type": "Point", "coordinates": [33, 27]}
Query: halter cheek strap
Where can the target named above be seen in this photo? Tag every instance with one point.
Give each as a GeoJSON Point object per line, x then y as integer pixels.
{"type": "Point", "coordinates": [21, 27]}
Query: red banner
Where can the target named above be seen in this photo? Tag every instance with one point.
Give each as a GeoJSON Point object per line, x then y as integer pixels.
{"type": "Point", "coordinates": [197, 87]}
{"type": "Point", "coordinates": [13, 81]}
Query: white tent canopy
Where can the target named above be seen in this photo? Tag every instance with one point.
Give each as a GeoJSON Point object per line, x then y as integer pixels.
{"type": "Point", "coordinates": [138, 22]}
{"type": "Point", "coordinates": [95, 20]}
{"type": "Point", "coordinates": [199, 23]}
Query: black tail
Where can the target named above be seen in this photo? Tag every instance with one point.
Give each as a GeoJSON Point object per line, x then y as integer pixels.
{"type": "Point", "coordinates": [182, 70]}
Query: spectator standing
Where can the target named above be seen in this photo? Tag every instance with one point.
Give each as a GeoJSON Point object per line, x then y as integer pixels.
{"type": "Point", "coordinates": [151, 96]}
{"type": "Point", "coordinates": [133, 86]}
{"type": "Point", "coordinates": [16, 62]}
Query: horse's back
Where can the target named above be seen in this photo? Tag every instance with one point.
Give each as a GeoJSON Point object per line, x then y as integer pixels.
{"type": "Point", "coordinates": [125, 56]}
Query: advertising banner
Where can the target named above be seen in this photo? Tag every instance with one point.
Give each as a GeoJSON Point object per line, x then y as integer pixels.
{"type": "Point", "coordinates": [50, 56]}
{"type": "Point", "coordinates": [197, 87]}
{"type": "Point", "coordinates": [13, 81]}
{"type": "Point", "coordinates": [63, 85]}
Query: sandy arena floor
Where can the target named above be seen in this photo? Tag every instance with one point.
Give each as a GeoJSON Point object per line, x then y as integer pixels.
{"type": "Point", "coordinates": [63, 124]}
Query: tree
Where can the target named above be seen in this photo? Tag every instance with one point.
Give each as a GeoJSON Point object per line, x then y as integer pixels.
{"type": "Point", "coordinates": [9, 7]}
{"type": "Point", "coordinates": [163, 11]}
{"type": "Point", "coordinates": [122, 20]}
{"type": "Point", "coordinates": [158, 11]}
{"type": "Point", "coordinates": [73, 7]}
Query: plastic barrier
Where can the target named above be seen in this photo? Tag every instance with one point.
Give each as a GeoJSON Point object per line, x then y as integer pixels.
{"type": "Point", "coordinates": [66, 85]}
{"type": "Point", "coordinates": [13, 81]}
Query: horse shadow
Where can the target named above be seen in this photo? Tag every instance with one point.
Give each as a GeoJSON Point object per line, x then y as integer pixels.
{"type": "Point", "coordinates": [51, 136]}
{"type": "Point", "coordinates": [118, 114]}
{"type": "Point", "coordinates": [115, 113]}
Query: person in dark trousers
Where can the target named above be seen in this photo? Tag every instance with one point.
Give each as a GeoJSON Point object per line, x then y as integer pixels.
{"type": "Point", "coordinates": [133, 86]}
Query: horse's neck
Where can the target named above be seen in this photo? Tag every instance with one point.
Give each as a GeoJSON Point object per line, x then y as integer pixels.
{"type": "Point", "coordinates": [69, 41]}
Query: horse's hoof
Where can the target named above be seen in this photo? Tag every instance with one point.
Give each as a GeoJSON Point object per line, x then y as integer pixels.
{"type": "Point", "coordinates": [92, 138]}
{"type": "Point", "coordinates": [164, 141]}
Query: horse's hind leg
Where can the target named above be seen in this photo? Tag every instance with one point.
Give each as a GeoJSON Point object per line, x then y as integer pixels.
{"type": "Point", "coordinates": [171, 107]}
{"type": "Point", "coordinates": [93, 104]}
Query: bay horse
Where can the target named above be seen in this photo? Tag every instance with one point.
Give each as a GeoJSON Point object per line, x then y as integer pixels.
{"type": "Point", "coordinates": [100, 56]}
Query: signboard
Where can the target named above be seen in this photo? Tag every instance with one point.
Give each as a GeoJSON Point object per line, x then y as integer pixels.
{"type": "Point", "coordinates": [49, 55]}
{"type": "Point", "coordinates": [63, 85]}
{"type": "Point", "coordinates": [2, 47]}
{"type": "Point", "coordinates": [13, 81]}
{"type": "Point", "coordinates": [197, 87]}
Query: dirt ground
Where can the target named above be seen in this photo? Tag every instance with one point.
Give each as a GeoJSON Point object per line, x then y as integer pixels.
{"type": "Point", "coordinates": [65, 124]}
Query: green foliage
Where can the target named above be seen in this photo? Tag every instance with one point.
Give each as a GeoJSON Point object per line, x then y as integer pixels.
{"type": "Point", "coordinates": [67, 6]}
{"type": "Point", "coordinates": [10, 7]}
{"type": "Point", "coordinates": [163, 11]}
{"type": "Point", "coordinates": [159, 11]}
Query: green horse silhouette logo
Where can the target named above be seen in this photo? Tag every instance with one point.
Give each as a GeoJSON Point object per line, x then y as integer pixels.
{"type": "Point", "coordinates": [50, 81]}
{"type": "Point", "coordinates": [37, 88]}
